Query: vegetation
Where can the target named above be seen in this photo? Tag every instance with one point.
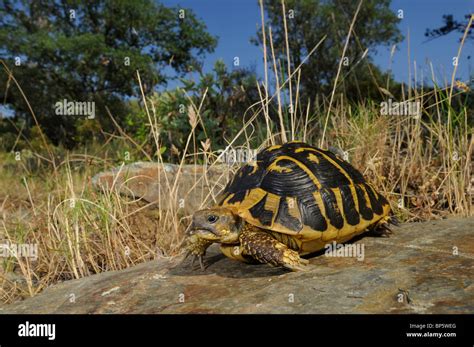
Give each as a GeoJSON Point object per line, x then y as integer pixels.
{"type": "Point", "coordinates": [451, 25]}
{"type": "Point", "coordinates": [304, 24]}
{"type": "Point", "coordinates": [90, 52]}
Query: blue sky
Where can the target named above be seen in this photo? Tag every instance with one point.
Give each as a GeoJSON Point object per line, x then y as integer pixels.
{"type": "Point", "coordinates": [235, 21]}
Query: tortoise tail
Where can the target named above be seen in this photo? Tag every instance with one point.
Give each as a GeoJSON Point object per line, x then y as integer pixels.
{"type": "Point", "coordinates": [383, 227]}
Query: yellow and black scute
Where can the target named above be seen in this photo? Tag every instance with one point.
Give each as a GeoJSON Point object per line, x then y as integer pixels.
{"type": "Point", "coordinates": [307, 193]}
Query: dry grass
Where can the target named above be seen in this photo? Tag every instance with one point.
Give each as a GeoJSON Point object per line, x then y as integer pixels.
{"type": "Point", "coordinates": [80, 232]}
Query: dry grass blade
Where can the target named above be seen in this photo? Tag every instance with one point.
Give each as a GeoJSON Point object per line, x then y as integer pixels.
{"type": "Point", "coordinates": [339, 71]}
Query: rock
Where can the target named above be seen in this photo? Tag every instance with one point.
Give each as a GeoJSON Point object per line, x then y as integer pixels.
{"type": "Point", "coordinates": [155, 183]}
{"type": "Point", "coordinates": [422, 268]}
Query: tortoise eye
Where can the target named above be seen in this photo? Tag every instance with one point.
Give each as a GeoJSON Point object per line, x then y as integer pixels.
{"type": "Point", "coordinates": [212, 218]}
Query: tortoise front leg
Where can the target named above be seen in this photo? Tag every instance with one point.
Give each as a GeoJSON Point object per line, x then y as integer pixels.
{"type": "Point", "coordinates": [264, 248]}
{"type": "Point", "coordinates": [197, 247]}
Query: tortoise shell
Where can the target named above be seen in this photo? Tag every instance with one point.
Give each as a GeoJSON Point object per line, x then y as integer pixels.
{"type": "Point", "coordinates": [300, 190]}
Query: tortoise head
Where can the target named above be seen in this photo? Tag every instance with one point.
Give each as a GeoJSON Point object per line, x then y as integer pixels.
{"type": "Point", "coordinates": [217, 224]}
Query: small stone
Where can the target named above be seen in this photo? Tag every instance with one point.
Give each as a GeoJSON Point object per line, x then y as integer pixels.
{"type": "Point", "coordinates": [159, 277]}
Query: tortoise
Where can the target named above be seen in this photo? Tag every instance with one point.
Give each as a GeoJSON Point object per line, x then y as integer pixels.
{"type": "Point", "coordinates": [292, 201]}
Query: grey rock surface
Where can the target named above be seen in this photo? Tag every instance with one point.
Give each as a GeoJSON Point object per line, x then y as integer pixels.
{"type": "Point", "coordinates": [422, 268]}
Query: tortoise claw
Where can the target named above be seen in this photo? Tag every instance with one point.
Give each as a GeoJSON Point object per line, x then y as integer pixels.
{"type": "Point", "coordinates": [297, 267]}
{"type": "Point", "coordinates": [197, 248]}
{"type": "Point", "coordinates": [201, 263]}
{"type": "Point", "coordinates": [296, 264]}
